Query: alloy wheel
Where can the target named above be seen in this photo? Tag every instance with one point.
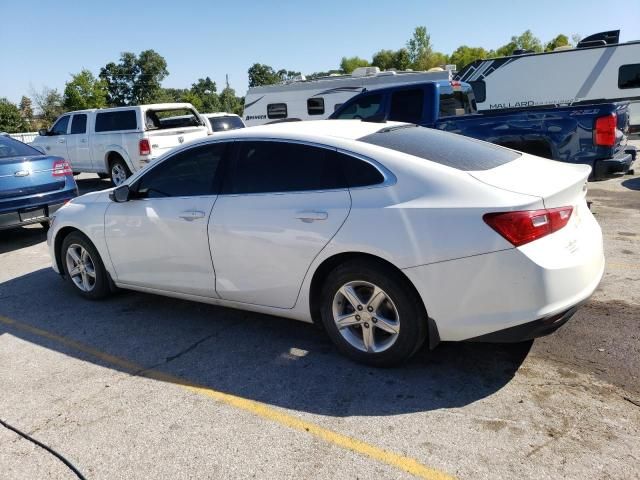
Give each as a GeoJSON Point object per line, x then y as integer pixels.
{"type": "Point", "coordinates": [118, 174]}
{"type": "Point", "coordinates": [81, 267]}
{"type": "Point", "coordinates": [366, 316]}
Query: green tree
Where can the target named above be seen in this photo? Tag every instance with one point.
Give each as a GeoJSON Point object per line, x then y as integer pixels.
{"type": "Point", "coordinates": [560, 41]}
{"type": "Point", "coordinates": [260, 74]}
{"type": "Point", "coordinates": [135, 79]}
{"type": "Point", "coordinates": [49, 102]}
{"type": "Point", "coordinates": [85, 91]}
{"type": "Point", "coordinates": [349, 64]}
{"type": "Point", "coordinates": [526, 41]}
{"type": "Point", "coordinates": [229, 102]}
{"type": "Point", "coordinates": [419, 48]}
{"type": "Point", "coordinates": [10, 119]}
{"type": "Point", "coordinates": [464, 55]}
{"type": "Point", "coordinates": [26, 109]}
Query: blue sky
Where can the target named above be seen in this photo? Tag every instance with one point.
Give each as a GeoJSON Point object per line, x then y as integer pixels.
{"type": "Point", "coordinates": [45, 42]}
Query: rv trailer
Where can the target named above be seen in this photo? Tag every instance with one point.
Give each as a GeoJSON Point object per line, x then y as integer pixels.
{"type": "Point", "coordinates": [599, 69]}
{"type": "Point", "coordinates": [316, 99]}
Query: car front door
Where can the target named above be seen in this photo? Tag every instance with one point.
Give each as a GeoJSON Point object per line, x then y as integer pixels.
{"type": "Point", "coordinates": [56, 143]}
{"type": "Point", "coordinates": [280, 205]}
{"type": "Point", "coordinates": [78, 143]}
{"type": "Point", "coordinates": [158, 239]}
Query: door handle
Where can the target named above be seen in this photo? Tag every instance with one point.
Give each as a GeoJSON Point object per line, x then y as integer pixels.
{"type": "Point", "coordinates": [311, 216]}
{"type": "Point", "coordinates": [191, 215]}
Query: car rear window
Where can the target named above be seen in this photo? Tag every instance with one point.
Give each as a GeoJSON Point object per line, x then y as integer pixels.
{"type": "Point", "coordinates": [159, 119]}
{"type": "Point", "coordinates": [219, 124]}
{"type": "Point", "coordinates": [444, 148]}
{"type": "Point", "coordinates": [13, 148]}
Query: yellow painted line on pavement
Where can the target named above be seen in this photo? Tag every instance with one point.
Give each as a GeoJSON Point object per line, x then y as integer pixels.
{"type": "Point", "coordinates": [623, 265]}
{"type": "Point", "coordinates": [401, 462]}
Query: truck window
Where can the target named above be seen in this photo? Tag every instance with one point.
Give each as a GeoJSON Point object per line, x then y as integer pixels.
{"type": "Point", "coordinates": [114, 121]}
{"type": "Point", "coordinates": [407, 105]}
{"type": "Point", "coordinates": [454, 103]}
{"type": "Point", "coordinates": [315, 106]}
{"type": "Point", "coordinates": [156, 119]}
{"type": "Point", "coordinates": [363, 108]}
{"type": "Point", "coordinates": [277, 110]}
{"type": "Point", "coordinates": [79, 123]}
{"type": "Point", "coordinates": [60, 127]}
{"type": "Point", "coordinates": [629, 76]}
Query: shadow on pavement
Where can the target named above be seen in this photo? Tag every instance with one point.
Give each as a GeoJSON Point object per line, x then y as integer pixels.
{"type": "Point", "coordinates": [92, 184]}
{"type": "Point", "coordinates": [279, 362]}
{"type": "Point", "coordinates": [632, 183]}
{"type": "Point", "coordinates": [21, 237]}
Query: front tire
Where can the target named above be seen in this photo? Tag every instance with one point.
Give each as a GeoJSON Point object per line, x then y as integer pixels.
{"type": "Point", "coordinates": [83, 267]}
{"type": "Point", "coordinates": [372, 313]}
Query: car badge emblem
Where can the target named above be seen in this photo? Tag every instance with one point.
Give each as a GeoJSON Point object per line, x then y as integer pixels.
{"type": "Point", "coordinates": [21, 173]}
{"type": "Point", "coordinates": [181, 139]}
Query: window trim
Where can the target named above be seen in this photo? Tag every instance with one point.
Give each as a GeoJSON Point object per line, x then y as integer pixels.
{"type": "Point", "coordinates": [637, 65]}
{"type": "Point", "coordinates": [388, 177]}
{"type": "Point", "coordinates": [286, 111]}
{"type": "Point", "coordinates": [68, 116]}
{"type": "Point", "coordinates": [320, 99]}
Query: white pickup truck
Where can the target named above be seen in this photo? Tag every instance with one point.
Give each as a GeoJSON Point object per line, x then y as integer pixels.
{"type": "Point", "coordinates": [115, 142]}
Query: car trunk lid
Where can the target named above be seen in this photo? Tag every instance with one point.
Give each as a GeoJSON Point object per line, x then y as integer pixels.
{"type": "Point", "coordinates": [557, 184]}
{"type": "Point", "coordinates": [23, 176]}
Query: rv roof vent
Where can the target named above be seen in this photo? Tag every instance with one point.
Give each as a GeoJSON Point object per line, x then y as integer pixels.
{"type": "Point", "coordinates": [562, 47]}
{"type": "Point", "coordinates": [365, 72]}
{"type": "Point", "coordinates": [387, 73]}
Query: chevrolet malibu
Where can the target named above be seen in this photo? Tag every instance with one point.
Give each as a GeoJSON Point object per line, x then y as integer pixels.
{"type": "Point", "coordinates": [389, 235]}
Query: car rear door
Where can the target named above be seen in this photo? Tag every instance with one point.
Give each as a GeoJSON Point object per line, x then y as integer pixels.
{"type": "Point", "coordinates": [281, 203]}
{"type": "Point", "coordinates": [158, 239]}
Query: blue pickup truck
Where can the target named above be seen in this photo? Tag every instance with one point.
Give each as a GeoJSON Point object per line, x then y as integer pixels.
{"type": "Point", "coordinates": [595, 134]}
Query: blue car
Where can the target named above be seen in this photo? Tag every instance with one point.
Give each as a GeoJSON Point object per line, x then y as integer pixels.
{"type": "Point", "coordinates": [32, 185]}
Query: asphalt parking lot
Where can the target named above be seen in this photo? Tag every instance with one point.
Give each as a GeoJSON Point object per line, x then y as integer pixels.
{"type": "Point", "coordinates": [140, 386]}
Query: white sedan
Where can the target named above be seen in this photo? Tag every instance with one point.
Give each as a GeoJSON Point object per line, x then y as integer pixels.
{"type": "Point", "coordinates": [389, 235]}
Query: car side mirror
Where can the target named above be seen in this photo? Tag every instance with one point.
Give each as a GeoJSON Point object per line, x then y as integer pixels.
{"type": "Point", "coordinates": [120, 194]}
{"type": "Point", "coordinates": [43, 132]}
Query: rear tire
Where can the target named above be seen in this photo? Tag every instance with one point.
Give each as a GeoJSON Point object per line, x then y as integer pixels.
{"type": "Point", "coordinates": [103, 176]}
{"type": "Point", "coordinates": [46, 225]}
{"type": "Point", "coordinates": [382, 320]}
{"type": "Point", "coordinates": [83, 267]}
{"type": "Point", "coordinates": [118, 171]}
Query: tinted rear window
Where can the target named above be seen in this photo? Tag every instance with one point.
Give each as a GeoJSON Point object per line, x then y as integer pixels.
{"type": "Point", "coordinates": [113, 121]}
{"type": "Point", "coordinates": [13, 148]}
{"type": "Point", "coordinates": [441, 147]}
{"type": "Point", "coordinates": [219, 124]}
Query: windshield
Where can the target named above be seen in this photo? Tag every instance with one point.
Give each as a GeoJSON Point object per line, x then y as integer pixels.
{"type": "Point", "coordinates": [444, 148]}
{"type": "Point", "coordinates": [13, 148]}
{"type": "Point", "coordinates": [219, 124]}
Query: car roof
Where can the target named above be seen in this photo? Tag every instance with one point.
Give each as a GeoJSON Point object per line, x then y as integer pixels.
{"type": "Point", "coordinates": [313, 130]}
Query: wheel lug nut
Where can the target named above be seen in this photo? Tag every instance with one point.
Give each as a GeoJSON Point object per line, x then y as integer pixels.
{"type": "Point", "coordinates": [374, 320]}
{"type": "Point", "coordinates": [357, 317]}
{"type": "Point", "coordinates": [370, 309]}
{"type": "Point", "coordinates": [359, 307]}
{"type": "Point", "coordinates": [366, 325]}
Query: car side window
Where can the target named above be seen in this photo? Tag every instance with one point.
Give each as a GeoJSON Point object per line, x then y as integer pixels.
{"type": "Point", "coordinates": [60, 127]}
{"type": "Point", "coordinates": [79, 123]}
{"type": "Point", "coordinates": [407, 105]}
{"type": "Point", "coordinates": [274, 167]}
{"type": "Point", "coordinates": [189, 173]}
{"type": "Point", "coordinates": [365, 107]}
{"type": "Point", "coordinates": [357, 172]}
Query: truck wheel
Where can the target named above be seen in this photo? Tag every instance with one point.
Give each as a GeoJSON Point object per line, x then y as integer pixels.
{"type": "Point", "coordinates": [119, 171]}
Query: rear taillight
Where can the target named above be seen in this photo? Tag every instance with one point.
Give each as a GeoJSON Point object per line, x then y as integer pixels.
{"type": "Point", "coordinates": [604, 133]}
{"type": "Point", "coordinates": [61, 168]}
{"type": "Point", "coordinates": [145, 147]}
{"type": "Point", "coordinates": [528, 225]}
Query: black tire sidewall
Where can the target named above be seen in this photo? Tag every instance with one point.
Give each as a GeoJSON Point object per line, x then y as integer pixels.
{"type": "Point", "coordinates": [101, 288]}
{"type": "Point", "coordinates": [413, 319]}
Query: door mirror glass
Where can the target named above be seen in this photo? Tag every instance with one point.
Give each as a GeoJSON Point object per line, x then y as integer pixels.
{"type": "Point", "coordinates": [43, 132]}
{"type": "Point", "coordinates": [120, 194]}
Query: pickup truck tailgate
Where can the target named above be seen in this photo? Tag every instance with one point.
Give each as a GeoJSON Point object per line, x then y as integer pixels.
{"type": "Point", "coordinates": [164, 140]}
{"type": "Point", "coordinates": [558, 184]}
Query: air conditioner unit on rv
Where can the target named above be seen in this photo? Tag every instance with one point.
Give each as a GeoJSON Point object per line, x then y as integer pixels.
{"type": "Point", "coordinates": [365, 72]}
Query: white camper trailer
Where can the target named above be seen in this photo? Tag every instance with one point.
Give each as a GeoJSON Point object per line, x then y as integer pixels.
{"type": "Point", "coordinates": [598, 69]}
{"type": "Point", "coordinates": [303, 99]}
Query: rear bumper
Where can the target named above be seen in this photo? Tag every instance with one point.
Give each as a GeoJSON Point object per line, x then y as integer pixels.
{"type": "Point", "coordinates": [530, 330]}
{"type": "Point", "coordinates": [621, 163]}
{"type": "Point", "coordinates": [14, 219]}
